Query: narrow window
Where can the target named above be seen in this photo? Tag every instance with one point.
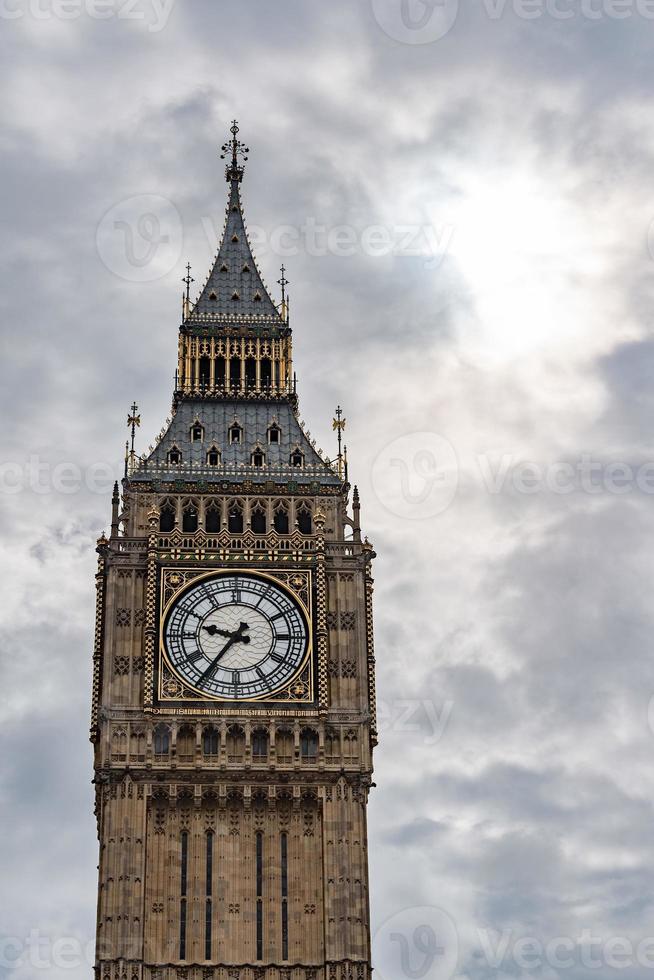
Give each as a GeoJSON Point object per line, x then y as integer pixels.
{"type": "Point", "coordinates": [161, 740]}
{"type": "Point", "coordinates": [190, 520]}
{"type": "Point", "coordinates": [235, 372]}
{"type": "Point", "coordinates": [197, 433]}
{"type": "Point", "coordinates": [174, 456]}
{"type": "Point", "coordinates": [235, 435]}
{"type": "Point", "coordinates": [167, 518]}
{"type": "Point", "coordinates": [281, 520]}
{"type": "Point", "coordinates": [266, 372]}
{"type": "Point", "coordinates": [259, 895]}
{"type": "Point", "coordinates": [308, 745]}
{"type": "Point", "coordinates": [220, 371]}
{"type": "Point", "coordinates": [260, 745]}
{"type": "Point", "coordinates": [235, 520]}
{"type": "Point", "coordinates": [258, 520]}
{"type": "Point", "coordinates": [297, 458]}
{"type": "Point", "coordinates": [257, 458]}
{"type": "Point", "coordinates": [212, 520]}
{"type": "Point", "coordinates": [205, 371]}
{"type": "Point", "coordinates": [209, 894]}
{"type": "Point", "coordinates": [284, 856]}
{"type": "Point", "coordinates": [213, 457]}
{"type": "Point", "coordinates": [304, 520]}
{"type": "Point", "coordinates": [250, 373]}
{"type": "Point", "coordinates": [183, 891]}
{"type": "Point", "coordinates": [273, 435]}
{"type": "Point", "coordinates": [210, 741]}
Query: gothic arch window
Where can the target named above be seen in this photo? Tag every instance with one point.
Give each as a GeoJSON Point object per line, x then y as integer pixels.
{"type": "Point", "coordinates": [235, 372]}
{"type": "Point", "coordinates": [186, 744]}
{"type": "Point", "coordinates": [161, 740]}
{"type": "Point", "coordinates": [284, 746]}
{"type": "Point", "coordinates": [137, 746]}
{"type": "Point", "coordinates": [224, 267]}
{"type": "Point", "coordinates": [274, 434]}
{"type": "Point", "coordinates": [212, 519]}
{"type": "Point", "coordinates": [297, 458]}
{"type": "Point", "coordinates": [304, 522]}
{"type": "Point", "coordinates": [266, 372]}
{"type": "Point", "coordinates": [259, 745]}
{"type": "Point", "coordinates": [235, 743]}
{"type": "Point", "coordinates": [235, 434]}
{"type": "Point", "coordinates": [258, 521]}
{"type": "Point", "coordinates": [308, 745]}
{"type": "Point", "coordinates": [235, 297]}
{"type": "Point", "coordinates": [350, 750]}
{"type": "Point", "coordinates": [174, 456]}
{"type": "Point", "coordinates": [213, 297]}
{"type": "Point", "coordinates": [190, 518]}
{"type": "Point", "coordinates": [258, 458]}
{"type": "Point", "coordinates": [235, 518]}
{"type": "Point", "coordinates": [205, 371]}
{"type": "Point", "coordinates": [197, 431]}
{"type": "Point", "coordinates": [210, 741]}
{"type": "Point", "coordinates": [220, 371]}
{"type": "Point", "coordinates": [250, 372]}
{"type": "Point", "coordinates": [119, 745]}
{"type": "Point", "coordinates": [281, 522]}
{"type": "Point", "coordinates": [213, 456]}
{"type": "Point", "coordinates": [167, 517]}
{"type": "Point", "coordinates": [246, 268]}
{"type": "Point", "coordinates": [332, 745]}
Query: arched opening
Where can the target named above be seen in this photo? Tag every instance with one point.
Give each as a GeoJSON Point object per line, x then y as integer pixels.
{"type": "Point", "coordinates": [186, 744]}
{"type": "Point", "coordinates": [167, 518]}
{"type": "Point", "coordinates": [197, 432]}
{"type": "Point", "coordinates": [235, 519]}
{"type": "Point", "coordinates": [220, 371]}
{"type": "Point", "coordinates": [258, 457]}
{"type": "Point", "coordinates": [258, 519]}
{"type": "Point", "coordinates": [205, 371]}
{"type": "Point", "coordinates": [281, 519]}
{"type": "Point", "coordinates": [260, 745]}
{"type": "Point", "coordinates": [304, 519]}
{"type": "Point", "coordinates": [266, 372]}
{"type": "Point", "coordinates": [212, 520]}
{"type": "Point", "coordinates": [235, 434]}
{"type": "Point", "coordinates": [284, 746]}
{"type": "Point", "coordinates": [174, 456]}
{"type": "Point", "coordinates": [274, 435]}
{"type": "Point", "coordinates": [235, 373]}
{"type": "Point", "coordinates": [250, 373]}
{"type": "Point", "coordinates": [161, 740]}
{"type": "Point", "coordinates": [297, 458]}
{"type": "Point", "coordinates": [190, 519]}
{"type": "Point", "coordinates": [308, 745]}
{"type": "Point", "coordinates": [210, 741]}
{"type": "Point", "coordinates": [235, 743]}
{"type": "Point", "coordinates": [213, 457]}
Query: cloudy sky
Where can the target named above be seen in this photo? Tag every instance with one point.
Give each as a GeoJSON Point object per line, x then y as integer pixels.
{"type": "Point", "coordinates": [463, 199]}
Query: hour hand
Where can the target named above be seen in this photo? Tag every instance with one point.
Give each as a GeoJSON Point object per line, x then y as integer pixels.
{"type": "Point", "coordinates": [213, 630]}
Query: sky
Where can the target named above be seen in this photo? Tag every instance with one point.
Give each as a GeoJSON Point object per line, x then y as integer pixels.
{"type": "Point", "coordinates": [463, 197]}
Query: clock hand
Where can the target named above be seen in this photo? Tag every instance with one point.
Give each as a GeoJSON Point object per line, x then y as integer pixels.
{"type": "Point", "coordinates": [212, 630]}
{"type": "Point", "coordinates": [236, 637]}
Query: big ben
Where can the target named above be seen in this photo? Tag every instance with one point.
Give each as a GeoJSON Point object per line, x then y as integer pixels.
{"type": "Point", "coordinates": [233, 709]}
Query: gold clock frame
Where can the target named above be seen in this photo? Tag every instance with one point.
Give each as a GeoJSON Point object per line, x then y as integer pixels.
{"type": "Point", "coordinates": [172, 690]}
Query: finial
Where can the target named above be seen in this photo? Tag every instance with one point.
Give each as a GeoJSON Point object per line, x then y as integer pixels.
{"type": "Point", "coordinates": [283, 282]}
{"type": "Point", "coordinates": [234, 170]}
{"type": "Point", "coordinates": [133, 420]}
{"type": "Point", "coordinates": [188, 279]}
{"type": "Point", "coordinates": [338, 424]}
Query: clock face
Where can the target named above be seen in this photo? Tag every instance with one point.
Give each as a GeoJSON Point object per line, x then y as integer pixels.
{"type": "Point", "coordinates": [236, 637]}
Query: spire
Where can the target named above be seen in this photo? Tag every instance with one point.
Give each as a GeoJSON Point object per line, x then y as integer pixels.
{"type": "Point", "coordinates": [234, 287]}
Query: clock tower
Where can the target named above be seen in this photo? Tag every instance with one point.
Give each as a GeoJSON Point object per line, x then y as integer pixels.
{"type": "Point", "coordinates": [233, 714]}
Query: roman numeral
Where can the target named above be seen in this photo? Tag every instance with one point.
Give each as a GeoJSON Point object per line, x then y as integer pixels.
{"type": "Point", "coordinates": [277, 658]}
{"type": "Point", "coordinates": [193, 657]}
{"type": "Point", "coordinates": [282, 636]}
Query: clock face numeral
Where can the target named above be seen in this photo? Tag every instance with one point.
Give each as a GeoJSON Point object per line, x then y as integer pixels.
{"type": "Point", "coordinates": [236, 637]}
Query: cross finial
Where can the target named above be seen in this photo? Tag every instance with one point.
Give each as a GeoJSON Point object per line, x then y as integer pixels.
{"type": "Point", "coordinates": [133, 420]}
{"type": "Point", "coordinates": [234, 170]}
{"type": "Point", "coordinates": [283, 282]}
{"type": "Point", "coordinates": [188, 279]}
{"type": "Point", "coordinates": [338, 424]}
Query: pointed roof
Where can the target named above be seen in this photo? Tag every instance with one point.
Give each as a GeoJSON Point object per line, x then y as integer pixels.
{"type": "Point", "coordinates": [235, 286]}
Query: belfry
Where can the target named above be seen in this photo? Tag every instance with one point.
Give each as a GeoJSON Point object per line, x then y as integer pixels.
{"type": "Point", "coordinates": [233, 710]}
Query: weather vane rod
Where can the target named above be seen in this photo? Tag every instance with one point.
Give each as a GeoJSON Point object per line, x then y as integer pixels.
{"type": "Point", "coordinates": [234, 170]}
{"type": "Point", "coordinates": [133, 420]}
{"type": "Point", "coordinates": [338, 424]}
